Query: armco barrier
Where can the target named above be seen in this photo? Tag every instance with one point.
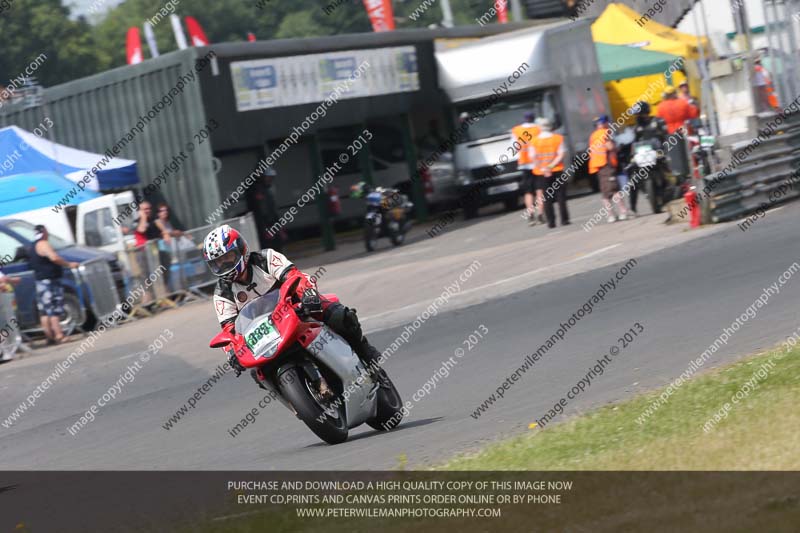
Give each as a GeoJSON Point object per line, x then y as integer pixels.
{"type": "Point", "coordinates": [765, 168]}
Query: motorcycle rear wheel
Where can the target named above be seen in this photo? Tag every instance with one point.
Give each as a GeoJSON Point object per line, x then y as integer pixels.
{"type": "Point", "coordinates": [390, 405]}
{"type": "Point", "coordinates": [398, 238]}
{"type": "Point", "coordinates": [296, 387]}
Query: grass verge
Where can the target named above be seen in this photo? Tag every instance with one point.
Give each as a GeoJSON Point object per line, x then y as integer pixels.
{"type": "Point", "coordinates": [759, 431]}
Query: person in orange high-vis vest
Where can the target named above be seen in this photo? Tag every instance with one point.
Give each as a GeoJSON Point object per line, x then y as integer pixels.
{"type": "Point", "coordinates": [548, 163]}
{"type": "Point", "coordinates": [603, 164]}
{"type": "Point", "coordinates": [522, 135]}
{"type": "Point", "coordinates": [766, 91]}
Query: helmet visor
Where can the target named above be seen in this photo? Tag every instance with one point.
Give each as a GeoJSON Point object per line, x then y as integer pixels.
{"type": "Point", "coordinates": [224, 264]}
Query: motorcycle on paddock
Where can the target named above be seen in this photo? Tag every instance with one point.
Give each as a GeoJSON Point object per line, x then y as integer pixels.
{"type": "Point", "coordinates": [291, 357]}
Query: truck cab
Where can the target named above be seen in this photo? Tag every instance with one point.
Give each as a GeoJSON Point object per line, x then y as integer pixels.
{"type": "Point", "coordinates": [492, 82]}
{"type": "Point", "coordinates": [99, 222]}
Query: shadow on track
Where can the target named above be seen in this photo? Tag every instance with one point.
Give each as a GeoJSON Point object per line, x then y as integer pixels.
{"type": "Point", "coordinates": [374, 432]}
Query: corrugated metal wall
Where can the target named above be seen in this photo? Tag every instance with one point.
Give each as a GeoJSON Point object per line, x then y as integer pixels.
{"type": "Point", "coordinates": [97, 112]}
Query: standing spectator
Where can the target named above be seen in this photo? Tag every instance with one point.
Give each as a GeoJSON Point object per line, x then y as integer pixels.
{"type": "Point", "coordinates": [523, 134]}
{"type": "Point", "coordinates": [261, 201]}
{"type": "Point", "coordinates": [164, 225]}
{"type": "Point", "coordinates": [549, 164]}
{"type": "Point", "coordinates": [48, 271]}
{"type": "Point", "coordinates": [165, 245]}
{"type": "Point", "coordinates": [767, 101]}
{"type": "Point", "coordinates": [146, 229]}
{"type": "Point", "coordinates": [603, 163]}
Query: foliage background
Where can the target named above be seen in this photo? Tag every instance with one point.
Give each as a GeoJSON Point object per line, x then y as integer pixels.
{"type": "Point", "coordinates": [77, 47]}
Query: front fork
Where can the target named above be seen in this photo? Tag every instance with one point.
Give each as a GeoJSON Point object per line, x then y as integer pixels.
{"type": "Point", "coordinates": [274, 392]}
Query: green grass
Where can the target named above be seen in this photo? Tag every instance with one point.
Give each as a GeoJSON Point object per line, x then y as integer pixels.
{"type": "Point", "coordinates": [761, 432]}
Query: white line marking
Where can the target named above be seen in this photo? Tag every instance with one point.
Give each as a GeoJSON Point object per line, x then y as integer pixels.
{"type": "Point", "coordinates": [413, 251]}
{"type": "Point", "coordinates": [505, 280]}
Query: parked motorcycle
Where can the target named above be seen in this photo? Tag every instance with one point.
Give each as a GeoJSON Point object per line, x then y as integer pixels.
{"type": "Point", "coordinates": [292, 357]}
{"type": "Point", "coordinates": [701, 145]}
{"type": "Point", "coordinates": [388, 214]}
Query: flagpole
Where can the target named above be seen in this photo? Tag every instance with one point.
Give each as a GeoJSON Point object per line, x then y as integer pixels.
{"type": "Point", "coordinates": [447, 14]}
{"type": "Point", "coordinates": [177, 29]}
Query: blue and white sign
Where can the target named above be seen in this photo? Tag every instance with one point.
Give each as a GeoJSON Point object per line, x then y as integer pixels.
{"type": "Point", "coordinates": [287, 81]}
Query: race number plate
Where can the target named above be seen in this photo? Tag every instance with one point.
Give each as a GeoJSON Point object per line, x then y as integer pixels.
{"type": "Point", "coordinates": [261, 335]}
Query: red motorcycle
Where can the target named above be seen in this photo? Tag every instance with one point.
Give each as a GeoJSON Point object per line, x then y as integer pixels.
{"type": "Point", "coordinates": [292, 357]}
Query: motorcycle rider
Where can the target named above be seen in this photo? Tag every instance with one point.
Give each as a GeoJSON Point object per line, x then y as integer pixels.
{"type": "Point", "coordinates": [647, 128]}
{"type": "Point", "coordinates": [244, 276]}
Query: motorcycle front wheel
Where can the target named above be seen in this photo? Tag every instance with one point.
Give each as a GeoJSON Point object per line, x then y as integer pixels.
{"type": "Point", "coordinates": [325, 419]}
{"type": "Point", "coordinates": [370, 238]}
{"type": "Point", "coordinates": [390, 405]}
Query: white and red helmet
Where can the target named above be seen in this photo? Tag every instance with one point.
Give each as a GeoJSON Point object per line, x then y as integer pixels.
{"type": "Point", "coordinates": [225, 252]}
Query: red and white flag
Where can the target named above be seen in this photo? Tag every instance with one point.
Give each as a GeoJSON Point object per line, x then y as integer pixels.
{"type": "Point", "coordinates": [134, 46]}
{"type": "Point", "coordinates": [380, 14]}
{"type": "Point", "coordinates": [501, 6]}
{"type": "Point", "coordinates": [196, 33]}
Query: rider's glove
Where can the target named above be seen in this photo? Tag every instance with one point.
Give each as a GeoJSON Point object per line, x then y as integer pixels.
{"type": "Point", "coordinates": [311, 304]}
{"type": "Point", "coordinates": [230, 351]}
{"type": "Point", "coordinates": [233, 361]}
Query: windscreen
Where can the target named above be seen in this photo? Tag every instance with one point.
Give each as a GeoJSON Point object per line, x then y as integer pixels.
{"type": "Point", "coordinates": [256, 310]}
{"type": "Point", "coordinates": [501, 116]}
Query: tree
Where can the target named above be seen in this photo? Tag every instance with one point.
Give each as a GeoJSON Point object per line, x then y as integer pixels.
{"type": "Point", "coordinates": [42, 29]}
{"type": "Point", "coordinates": [75, 49]}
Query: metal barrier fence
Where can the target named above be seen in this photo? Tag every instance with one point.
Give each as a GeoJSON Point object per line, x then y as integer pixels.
{"type": "Point", "coordinates": [103, 298]}
{"type": "Point", "coordinates": [143, 262]}
{"type": "Point", "coordinates": [10, 336]}
{"type": "Point", "coordinates": [766, 175]}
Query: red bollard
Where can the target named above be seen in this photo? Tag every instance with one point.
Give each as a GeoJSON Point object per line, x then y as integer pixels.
{"type": "Point", "coordinates": [694, 207]}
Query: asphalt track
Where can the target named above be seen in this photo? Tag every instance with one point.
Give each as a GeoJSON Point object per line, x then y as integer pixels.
{"type": "Point", "coordinates": [683, 296]}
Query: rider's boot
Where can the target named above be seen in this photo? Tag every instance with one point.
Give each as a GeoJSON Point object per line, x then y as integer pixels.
{"type": "Point", "coordinates": [368, 354]}
{"type": "Point", "coordinates": [344, 321]}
